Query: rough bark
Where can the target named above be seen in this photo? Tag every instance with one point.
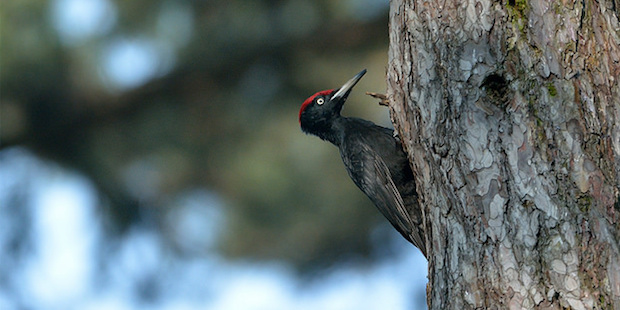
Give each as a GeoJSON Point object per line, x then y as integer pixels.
{"type": "Point", "coordinates": [510, 114]}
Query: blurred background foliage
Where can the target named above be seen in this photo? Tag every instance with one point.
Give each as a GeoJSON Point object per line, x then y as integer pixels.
{"type": "Point", "coordinates": [168, 106]}
{"type": "Point", "coordinates": [153, 99]}
{"type": "Point", "coordinates": [150, 151]}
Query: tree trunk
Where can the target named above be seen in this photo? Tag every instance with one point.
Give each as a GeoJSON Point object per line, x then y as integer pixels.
{"type": "Point", "coordinates": [510, 114]}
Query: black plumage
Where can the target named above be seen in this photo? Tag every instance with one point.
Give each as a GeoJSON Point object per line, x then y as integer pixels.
{"type": "Point", "coordinates": [373, 157]}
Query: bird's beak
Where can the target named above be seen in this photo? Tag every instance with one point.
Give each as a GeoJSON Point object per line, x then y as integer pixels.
{"type": "Point", "coordinates": [343, 92]}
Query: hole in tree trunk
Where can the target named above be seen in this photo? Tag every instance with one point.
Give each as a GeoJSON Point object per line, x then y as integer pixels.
{"type": "Point", "coordinates": [496, 89]}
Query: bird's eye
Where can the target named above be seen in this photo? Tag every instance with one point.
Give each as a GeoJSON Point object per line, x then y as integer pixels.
{"type": "Point", "coordinates": [320, 101]}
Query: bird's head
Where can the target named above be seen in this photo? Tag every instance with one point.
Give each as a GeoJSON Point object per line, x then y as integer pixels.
{"type": "Point", "coordinates": [319, 110]}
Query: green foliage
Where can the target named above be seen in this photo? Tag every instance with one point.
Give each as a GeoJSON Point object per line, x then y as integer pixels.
{"type": "Point", "coordinates": [219, 113]}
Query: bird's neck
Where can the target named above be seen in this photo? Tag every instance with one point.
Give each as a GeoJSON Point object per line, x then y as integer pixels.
{"type": "Point", "coordinates": [333, 131]}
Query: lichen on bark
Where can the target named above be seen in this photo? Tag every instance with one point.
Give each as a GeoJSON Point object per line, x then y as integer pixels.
{"type": "Point", "coordinates": [510, 114]}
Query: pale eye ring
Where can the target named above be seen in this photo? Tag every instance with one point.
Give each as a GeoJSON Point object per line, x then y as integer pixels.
{"type": "Point", "coordinates": [320, 101]}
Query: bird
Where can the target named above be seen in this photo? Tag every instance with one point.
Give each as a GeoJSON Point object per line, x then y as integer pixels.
{"type": "Point", "coordinates": [373, 157]}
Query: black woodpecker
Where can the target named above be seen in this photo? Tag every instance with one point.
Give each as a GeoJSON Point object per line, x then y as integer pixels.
{"type": "Point", "coordinates": [373, 157]}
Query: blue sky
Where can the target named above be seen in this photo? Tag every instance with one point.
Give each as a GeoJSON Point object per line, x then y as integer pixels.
{"type": "Point", "coordinates": [62, 270]}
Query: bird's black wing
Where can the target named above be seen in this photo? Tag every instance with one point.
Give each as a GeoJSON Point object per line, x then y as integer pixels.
{"type": "Point", "coordinates": [370, 173]}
